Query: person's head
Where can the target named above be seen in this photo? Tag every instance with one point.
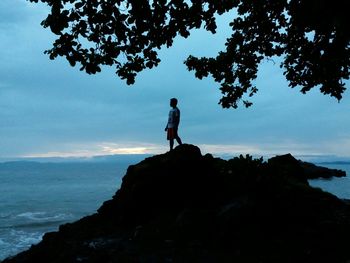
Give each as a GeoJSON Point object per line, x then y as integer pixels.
{"type": "Point", "coordinates": [173, 102]}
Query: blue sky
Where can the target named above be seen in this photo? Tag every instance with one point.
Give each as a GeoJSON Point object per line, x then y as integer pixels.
{"type": "Point", "coordinates": [48, 108]}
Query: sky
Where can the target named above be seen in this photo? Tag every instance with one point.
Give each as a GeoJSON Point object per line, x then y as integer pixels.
{"type": "Point", "coordinates": [48, 108]}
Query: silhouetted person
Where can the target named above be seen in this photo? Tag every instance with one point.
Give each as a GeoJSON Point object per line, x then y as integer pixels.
{"type": "Point", "coordinates": [173, 124]}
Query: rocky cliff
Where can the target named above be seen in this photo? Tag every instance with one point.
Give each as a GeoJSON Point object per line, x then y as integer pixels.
{"type": "Point", "coordinates": [185, 207]}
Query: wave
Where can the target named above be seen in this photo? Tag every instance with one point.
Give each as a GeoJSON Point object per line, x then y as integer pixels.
{"type": "Point", "coordinates": [34, 225]}
{"type": "Point", "coordinates": [24, 238]}
{"type": "Point", "coordinates": [44, 216]}
{"type": "Point", "coordinates": [16, 241]}
{"type": "Point", "coordinates": [37, 216]}
{"type": "Point", "coordinates": [34, 220]}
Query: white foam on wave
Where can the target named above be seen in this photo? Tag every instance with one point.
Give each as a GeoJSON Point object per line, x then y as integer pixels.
{"type": "Point", "coordinates": [17, 241]}
{"type": "Point", "coordinates": [5, 249]}
{"type": "Point", "coordinates": [31, 215]}
{"type": "Point", "coordinates": [44, 216]}
{"type": "Point", "coordinates": [25, 239]}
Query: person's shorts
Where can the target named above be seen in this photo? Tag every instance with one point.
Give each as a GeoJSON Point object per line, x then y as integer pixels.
{"type": "Point", "coordinates": [172, 133]}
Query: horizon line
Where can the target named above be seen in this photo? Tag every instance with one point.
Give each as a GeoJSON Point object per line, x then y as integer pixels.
{"type": "Point", "coordinates": [107, 149]}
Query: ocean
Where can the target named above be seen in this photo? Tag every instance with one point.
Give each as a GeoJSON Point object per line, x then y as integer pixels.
{"type": "Point", "coordinates": [38, 197]}
{"type": "Point", "coordinates": [337, 186]}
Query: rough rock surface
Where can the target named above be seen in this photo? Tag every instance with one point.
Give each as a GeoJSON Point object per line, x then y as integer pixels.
{"type": "Point", "coordinates": [185, 207]}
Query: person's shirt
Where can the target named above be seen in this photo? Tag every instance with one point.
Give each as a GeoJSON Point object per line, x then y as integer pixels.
{"type": "Point", "coordinates": [174, 118]}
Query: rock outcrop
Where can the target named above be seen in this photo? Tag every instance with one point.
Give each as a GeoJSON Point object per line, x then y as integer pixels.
{"type": "Point", "coordinates": [313, 171]}
{"type": "Point", "coordinates": [185, 207]}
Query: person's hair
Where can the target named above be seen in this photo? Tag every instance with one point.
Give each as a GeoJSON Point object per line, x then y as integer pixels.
{"type": "Point", "coordinates": [173, 101]}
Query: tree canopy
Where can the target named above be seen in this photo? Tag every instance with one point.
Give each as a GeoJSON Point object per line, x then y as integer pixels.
{"type": "Point", "coordinates": [311, 36]}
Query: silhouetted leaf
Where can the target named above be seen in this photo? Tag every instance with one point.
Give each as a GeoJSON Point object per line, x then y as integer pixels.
{"type": "Point", "coordinates": [311, 36]}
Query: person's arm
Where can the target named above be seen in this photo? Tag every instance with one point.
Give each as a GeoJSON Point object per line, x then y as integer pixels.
{"type": "Point", "coordinates": [166, 127]}
{"type": "Point", "coordinates": [177, 117]}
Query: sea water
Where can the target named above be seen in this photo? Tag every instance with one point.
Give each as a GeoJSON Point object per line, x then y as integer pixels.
{"type": "Point", "coordinates": [337, 186]}
{"type": "Point", "coordinates": [36, 198]}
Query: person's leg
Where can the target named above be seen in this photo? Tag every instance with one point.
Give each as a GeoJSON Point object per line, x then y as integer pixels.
{"type": "Point", "coordinates": [170, 137]}
{"type": "Point", "coordinates": [178, 139]}
{"type": "Point", "coordinates": [171, 143]}
{"type": "Point", "coordinates": [176, 136]}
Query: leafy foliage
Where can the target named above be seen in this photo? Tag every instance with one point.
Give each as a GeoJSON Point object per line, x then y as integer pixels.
{"type": "Point", "coordinates": [312, 37]}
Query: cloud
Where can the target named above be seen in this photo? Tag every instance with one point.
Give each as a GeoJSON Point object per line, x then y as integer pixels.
{"type": "Point", "coordinates": [101, 148]}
